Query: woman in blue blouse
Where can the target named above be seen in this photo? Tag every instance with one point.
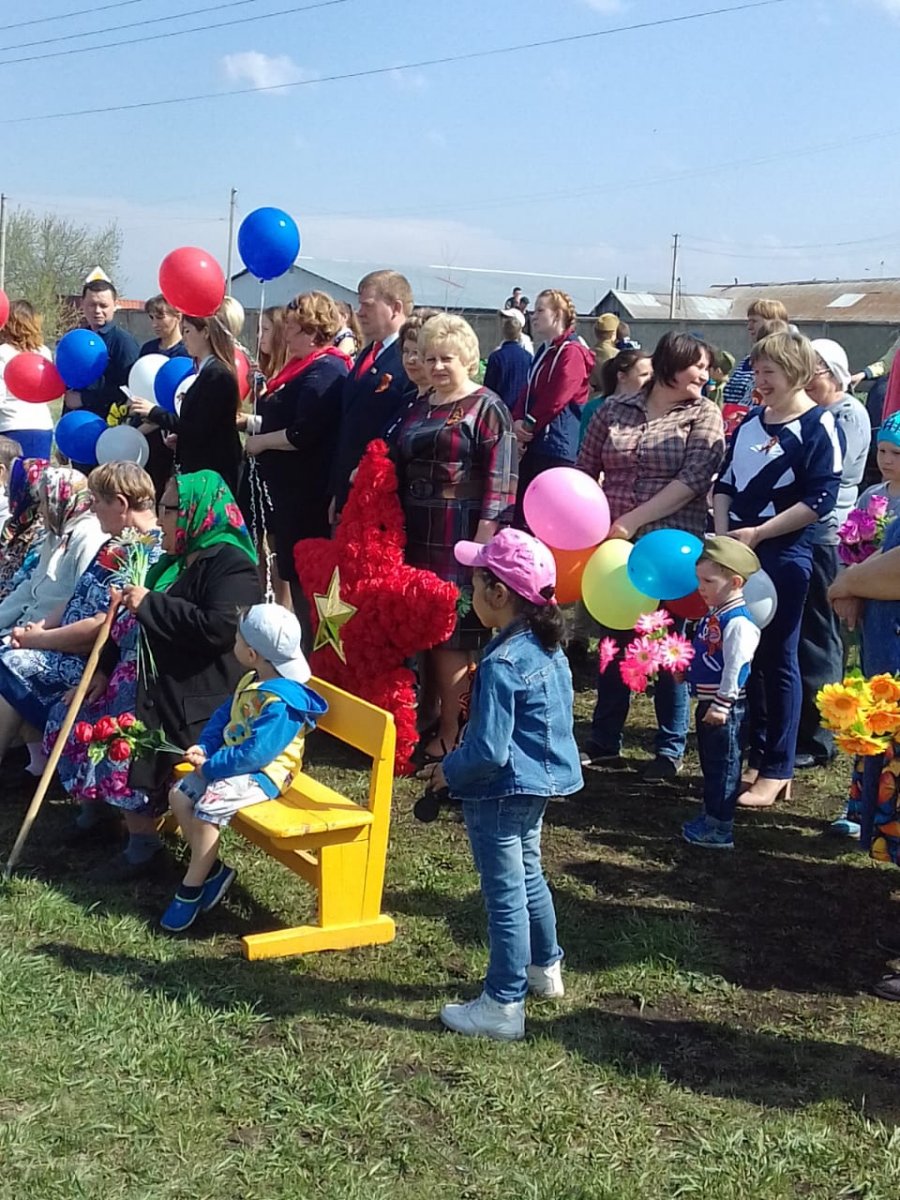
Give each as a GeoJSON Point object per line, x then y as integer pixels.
{"type": "Point", "coordinates": [781, 475]}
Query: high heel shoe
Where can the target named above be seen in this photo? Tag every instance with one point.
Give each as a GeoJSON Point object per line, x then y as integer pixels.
{"type": "Point", "coordinates": [765, 793]}
{"type": "Point", "coordinates": [748, 777]}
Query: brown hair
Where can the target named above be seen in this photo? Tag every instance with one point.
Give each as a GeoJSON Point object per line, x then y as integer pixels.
{"type": "Point", "coordinates": [389, 286]}
{"type": "Point", "coordinates": [350, 320]}
{"type": "Point", "coordinates": [414, 322]}
{"type": "Point", "coordinates": [561, 303]}
{"type": "Point", "coordinates": [10, 450]}
{"type": "Point", "coordinates": [613, 367]}
{"type": "Point", "coordinates": [675, 352]}
{"type": "Point", "coordinates": [124, 479]}
{"type": "Point", "coordinates": [769, 310]}
{"type": "Point", "coordinates": [270, 364]}
{"type": "Point", "coordinates": [316, 314]}
{"type": "Point", "coordinates": [23, 328]}
{"type": "Point", "coordinates": [221, 343]}
{"type": "Point", "coordinates": [767, 328]}
{"type": "Point", "coordinates": [159, 304]}
{"type": "Point", "coordinates": [792, 353]}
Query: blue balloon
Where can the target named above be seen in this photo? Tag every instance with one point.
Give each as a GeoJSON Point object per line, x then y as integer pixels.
{"type": "Point", "coordinates": [663, 563]}
{"type": "Point", "coordinates": [81, 358]}
{"type": "Point", "coordinates": [268, 242]}
{"type": "Point", "coordinates": [168, 377]}
{"type": "Point", "coordinates": [77, 434]}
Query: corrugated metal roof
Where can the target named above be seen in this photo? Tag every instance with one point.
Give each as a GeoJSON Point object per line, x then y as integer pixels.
{"type": "Point", "coordinates": [654, 305]}
{"type": "Point", "coordinates": [876, 300]}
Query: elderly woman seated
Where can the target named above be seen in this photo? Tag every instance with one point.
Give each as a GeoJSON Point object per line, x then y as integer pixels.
{"type": "Point", "coordinates": [183, 625]}
{"type": "Point", "coordinates": [72, 540]}
{"type": "Point", "coordinates": [44, 659]}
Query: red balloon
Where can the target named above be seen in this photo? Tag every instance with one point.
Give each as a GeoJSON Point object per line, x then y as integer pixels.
{"type": "Point", "coordinates": [33, 378]}
{"type": "Point", "coordinates": [242, 366]}
{"type": "Point", "coordinates": [693, 607]}
{"type": "Point", "coordinates": [192, 281]}
{"type": "Point", "coordinates": [4, 308]}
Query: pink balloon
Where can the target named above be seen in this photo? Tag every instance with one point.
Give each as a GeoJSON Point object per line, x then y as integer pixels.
{"type": "Point", "coordinates": [4, 308]}
{"type": "Point", "coordinates": [566, 509]}
{"type": "Point", "coordinates": [192, 281]}
{"type": "Point", "coordinates": [32, 377]}
{"type": "Point", "coordinates": [242, 368]}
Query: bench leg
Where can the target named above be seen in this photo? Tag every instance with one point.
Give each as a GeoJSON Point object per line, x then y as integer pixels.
{"type": "Point", "coordinates": [304, 939]}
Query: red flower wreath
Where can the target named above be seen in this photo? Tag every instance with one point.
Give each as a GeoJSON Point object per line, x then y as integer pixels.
{"type": "Point", "coordinates": [388, 611]}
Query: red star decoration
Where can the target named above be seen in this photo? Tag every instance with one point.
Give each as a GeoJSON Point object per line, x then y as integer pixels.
{"type": "Point", "coordinates": [400, 610]}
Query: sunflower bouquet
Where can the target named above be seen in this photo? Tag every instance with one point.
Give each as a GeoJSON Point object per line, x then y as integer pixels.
{"type": "Point", "coordinates": [863, 714]}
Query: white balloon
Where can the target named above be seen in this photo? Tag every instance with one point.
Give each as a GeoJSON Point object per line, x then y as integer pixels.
{"type": "Point", "coordinates": [142, 375]}
{"type": "Point", "coordinates": [761, 598]}
{"type": "Point", "coordinates": [183, 387]}
{"type": "Point", "coordinates": [122, 443]}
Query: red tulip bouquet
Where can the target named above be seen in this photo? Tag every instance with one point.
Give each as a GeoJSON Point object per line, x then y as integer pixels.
{"type": "Point", "coordinates": [120, 738]}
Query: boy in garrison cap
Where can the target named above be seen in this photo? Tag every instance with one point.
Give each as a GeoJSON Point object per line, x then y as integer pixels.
{"type": "Point", "coordinates": [724, 645]}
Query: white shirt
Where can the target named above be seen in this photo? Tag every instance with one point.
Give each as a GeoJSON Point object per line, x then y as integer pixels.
{"type": "Point", "coordinates": [19, 414]}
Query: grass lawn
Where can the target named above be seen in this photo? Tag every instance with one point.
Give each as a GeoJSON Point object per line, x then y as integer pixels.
{"type": "Point", "coordinates": [716, 1040]}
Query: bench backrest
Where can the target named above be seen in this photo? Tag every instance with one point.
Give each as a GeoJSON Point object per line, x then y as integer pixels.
{"type": "Point", "coordinates": [366, 728]}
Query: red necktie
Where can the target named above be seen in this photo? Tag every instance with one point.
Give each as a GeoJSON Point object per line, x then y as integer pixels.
{"type": "Point", "coordinates": [369, 357]}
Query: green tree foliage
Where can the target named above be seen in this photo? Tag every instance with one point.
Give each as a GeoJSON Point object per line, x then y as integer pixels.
{"type": "Point", "coordinates": [48, 258]}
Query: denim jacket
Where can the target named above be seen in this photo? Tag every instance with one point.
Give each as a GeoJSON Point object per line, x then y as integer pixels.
{"type": "Point", "coordinates": [519, 739]}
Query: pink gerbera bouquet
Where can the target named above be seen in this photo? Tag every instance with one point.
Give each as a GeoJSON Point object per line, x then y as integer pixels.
{"type": "Point", "coordinates": [656, 648]}
{"type": "Point", "coordinates": [862, 533]}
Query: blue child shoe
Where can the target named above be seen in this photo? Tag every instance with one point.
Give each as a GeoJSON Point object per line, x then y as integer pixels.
{"type": "Point", "coordinates": [704, 832]}
{"type": "Point", "coordinates": [181, 913]}
{"type": "Point", "coordinates": [215, 887]}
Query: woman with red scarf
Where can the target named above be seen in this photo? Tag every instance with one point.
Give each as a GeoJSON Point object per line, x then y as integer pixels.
{"type": "Point", "coordinates": [300, 422]}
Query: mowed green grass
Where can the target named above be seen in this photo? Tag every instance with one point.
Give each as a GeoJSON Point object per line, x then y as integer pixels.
{"type": "Point", "coordinates": [716, 1040]}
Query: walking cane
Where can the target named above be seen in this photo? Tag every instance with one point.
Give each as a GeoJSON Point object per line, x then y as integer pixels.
{"type": "Point", "coordinates": [90, 669]}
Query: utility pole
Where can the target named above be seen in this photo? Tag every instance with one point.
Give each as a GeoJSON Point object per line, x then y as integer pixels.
{"type": "Point", "coordinates": [674, 277]}
{"type": "Point", "coordinates": [2, 241]}
{"type": "Point", "coordinates": [232, 205]}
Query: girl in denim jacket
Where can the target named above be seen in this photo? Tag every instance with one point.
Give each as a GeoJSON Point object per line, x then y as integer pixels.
{"type": "Point", "coordinates": [518, 750]}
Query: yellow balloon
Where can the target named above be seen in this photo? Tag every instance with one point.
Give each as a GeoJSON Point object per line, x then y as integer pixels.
{"type": "Point", "coordinates": [608, 594]}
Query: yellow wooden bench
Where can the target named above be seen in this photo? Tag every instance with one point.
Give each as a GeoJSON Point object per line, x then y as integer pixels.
{"type": "Point", "coordinates": [338, 846]}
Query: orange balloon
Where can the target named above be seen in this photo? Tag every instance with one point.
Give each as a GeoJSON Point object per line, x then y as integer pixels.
{"type": "Point", "coordinates": [570, 566]}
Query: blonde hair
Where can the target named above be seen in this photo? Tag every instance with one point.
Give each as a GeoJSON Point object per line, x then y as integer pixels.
{"type": "Point", "coordinates": [270, 364]}
{"type": "Point", "coordinates": [124, 479]}
{"type": "Point", "coordinates": [769, 310]}
{"type": "Point", "coordinates": [231, 314]}
{"type": "Point", "coordinates": [316, 314]}
{"type": "Point", "coordinates": [23, 328]}
{"type": "Point", "coordinates": [561, 303]}
{"type": "Point", "coordinates": [413, 324]}
{"type": "Point", "coordinates": [456, 335]}
{"type": "Point", "coordinates": [389, 286]}
{"type": "Point", "coordinates": [792, 353]}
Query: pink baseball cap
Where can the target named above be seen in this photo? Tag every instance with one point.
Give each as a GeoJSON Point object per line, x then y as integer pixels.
{"type": "Point", "coordinates": [520, 560]}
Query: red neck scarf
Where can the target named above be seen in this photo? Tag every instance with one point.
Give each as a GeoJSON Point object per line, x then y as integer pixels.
{"type": "Point", "coordinates": [297, 366]}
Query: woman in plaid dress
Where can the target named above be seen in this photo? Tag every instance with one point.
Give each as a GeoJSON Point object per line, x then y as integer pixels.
{"type": "Point", "coordinates": [458, 470]}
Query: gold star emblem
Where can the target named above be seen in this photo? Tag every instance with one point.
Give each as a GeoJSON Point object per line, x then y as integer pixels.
{"type": "Point", "coordinates": [333, 612]}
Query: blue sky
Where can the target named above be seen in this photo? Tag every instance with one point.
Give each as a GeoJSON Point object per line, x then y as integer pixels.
{"type": "Point", "coordinates": [766, 137]}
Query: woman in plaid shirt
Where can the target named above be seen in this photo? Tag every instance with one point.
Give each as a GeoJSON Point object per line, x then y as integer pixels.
{"type": "Point", "coordinates": [656, 453]}
{"type": "Point", "coordinates": [457, 468]}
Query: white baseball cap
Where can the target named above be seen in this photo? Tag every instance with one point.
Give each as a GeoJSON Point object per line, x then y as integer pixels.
{"type": "Point", "coordinates": [275, 634]}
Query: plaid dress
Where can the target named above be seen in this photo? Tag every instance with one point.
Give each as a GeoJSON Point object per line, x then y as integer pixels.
{"type": "Point", "coordinates": [457, 465]}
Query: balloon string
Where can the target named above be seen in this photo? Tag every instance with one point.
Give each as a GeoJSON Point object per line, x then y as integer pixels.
{"type": "Point", "coordinates": [260, 501]}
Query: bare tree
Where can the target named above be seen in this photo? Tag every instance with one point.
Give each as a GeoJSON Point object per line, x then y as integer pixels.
{"type": "Point", "coordinates": [48, 258]}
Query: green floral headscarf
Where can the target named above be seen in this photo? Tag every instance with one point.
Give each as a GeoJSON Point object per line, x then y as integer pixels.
{"type": "Point", "coordinates": [207, 516]}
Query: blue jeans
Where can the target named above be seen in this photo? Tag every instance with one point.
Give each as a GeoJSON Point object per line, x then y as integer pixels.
{"type": "Point", "coordinates": [670, 699]}
{"type": "Point", "coordinates": [506, 845]}
{"type": "Point", "coordinates": [719, 748]}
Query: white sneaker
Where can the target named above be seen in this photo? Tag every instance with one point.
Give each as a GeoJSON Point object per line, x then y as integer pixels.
{"type": "Point", "coordinates": [486, 1017]}
{"type": "Point", "coordinates": [546, 982]}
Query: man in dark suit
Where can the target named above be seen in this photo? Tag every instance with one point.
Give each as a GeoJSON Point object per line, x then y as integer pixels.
{"type": "Point", "coordinates": [377, 389]}
{"type": "Point", "coordinates": [98, 306]}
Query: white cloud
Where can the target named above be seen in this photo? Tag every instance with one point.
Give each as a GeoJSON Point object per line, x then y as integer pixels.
{"type": "Point", "coordinates": [263, 70]}
{"type": "Point", "coordinates": [408, 80]}
{"type": "Point", "coordinates": [605, 6]}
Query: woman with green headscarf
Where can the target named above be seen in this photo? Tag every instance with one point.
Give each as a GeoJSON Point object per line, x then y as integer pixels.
{"type": "Point", "coordinates": [187, 615]}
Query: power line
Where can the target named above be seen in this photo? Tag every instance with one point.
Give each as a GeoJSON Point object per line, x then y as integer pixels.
{"type": "Point", "coordinates": [172, 33]}
{"type": "Point", "coordinates": [882, 239]}
{"type": "Point", "coordinates": [81, 12]}
{"type": "Point", "coordinates": [445, 60]}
